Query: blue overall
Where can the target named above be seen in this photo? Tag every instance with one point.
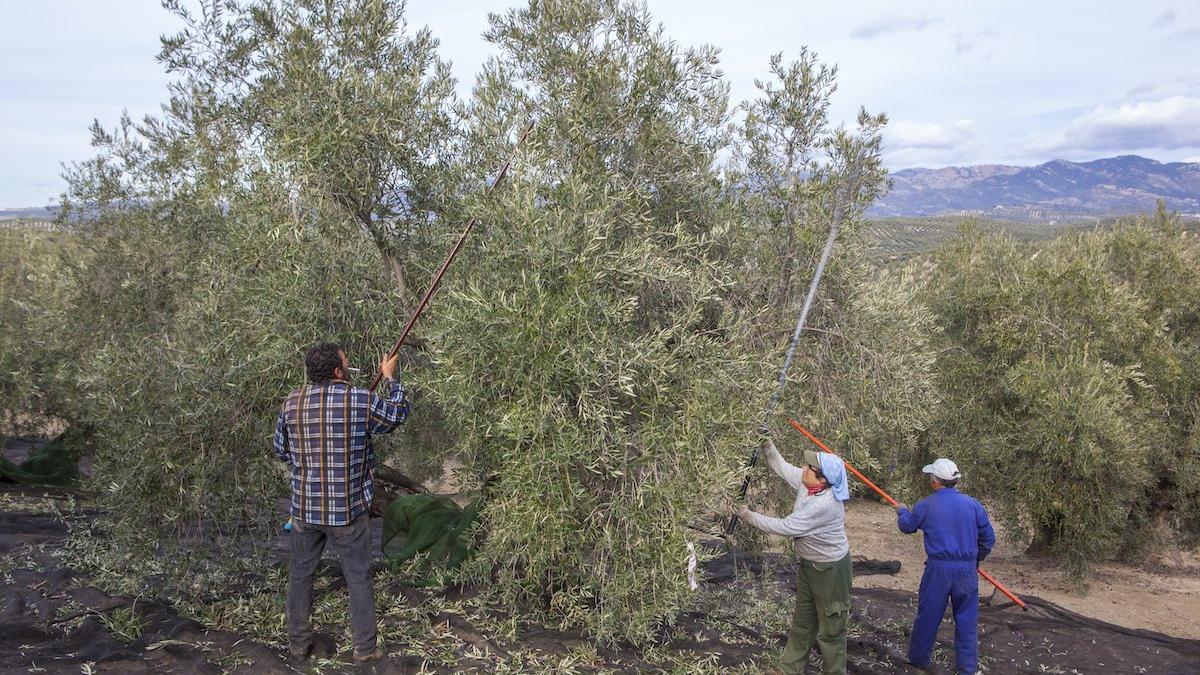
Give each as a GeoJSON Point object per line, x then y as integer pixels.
{"type": "Point", "coordinates": [958, 537]}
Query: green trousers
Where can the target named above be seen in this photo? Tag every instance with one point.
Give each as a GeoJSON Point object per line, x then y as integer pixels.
{"type": "Point", "coordinates": [822, 609]}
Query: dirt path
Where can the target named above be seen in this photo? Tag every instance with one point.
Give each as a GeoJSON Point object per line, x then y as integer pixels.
{"type": "Point", "coordinates": [1162, 596]}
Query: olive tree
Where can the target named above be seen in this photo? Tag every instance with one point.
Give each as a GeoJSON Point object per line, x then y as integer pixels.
{"type": "Point", "coordinates": [289, 191]}
{"type": "Point", "coordinates": [1069, 382]}
{"type": "Point", "coordinates": [586, 352]}
{"type": "Point", "coordinates": [863, 376]}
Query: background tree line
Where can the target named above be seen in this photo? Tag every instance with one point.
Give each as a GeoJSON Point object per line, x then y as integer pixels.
{"type": "Point", "coordinates": [597, 360]}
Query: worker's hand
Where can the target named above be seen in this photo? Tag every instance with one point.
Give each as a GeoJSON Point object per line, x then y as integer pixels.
{"type": "Point", "coordinates": [900, 507]}
{"type": "Point", "coordinates": [768, 446]}
{"type": "Point", "coordinates": [740, 510]}
{"type": "Point", "coordinates": [388, 366]}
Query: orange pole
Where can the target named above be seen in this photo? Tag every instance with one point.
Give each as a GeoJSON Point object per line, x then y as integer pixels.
{"type": "Point", "coordinates": [1000, 587]}
{"type": "Point", "coordinates": [808, 434]}
{"type": "Point", "coordinates": [849, 468]}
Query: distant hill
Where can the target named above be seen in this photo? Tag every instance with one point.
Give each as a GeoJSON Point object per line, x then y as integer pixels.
{"type": "Point", "coordinates": [1057, 190]}
{"type": "Point", "coordinates": [892, 240]}
{"type": "Point", "coordinates": [31, 213]}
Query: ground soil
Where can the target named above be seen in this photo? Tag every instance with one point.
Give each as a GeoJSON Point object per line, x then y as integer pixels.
{"type": "Point", "coordinates": [52, 619]}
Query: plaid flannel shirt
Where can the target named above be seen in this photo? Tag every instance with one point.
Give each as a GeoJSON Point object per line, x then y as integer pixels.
{"type": "Point", "coordinates": [324, 434]}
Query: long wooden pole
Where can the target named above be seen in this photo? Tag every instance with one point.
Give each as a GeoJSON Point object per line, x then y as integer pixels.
{"type": "Point", "coordinates": [808, 434]}
{"type": "Point", "coordinates": [437, 277]}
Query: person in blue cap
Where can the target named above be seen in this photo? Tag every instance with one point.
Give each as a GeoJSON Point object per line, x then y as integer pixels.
{"type": "Point", "coordinates": [958, 536]}
{"type": "Point", "coordinates": [817, 526]}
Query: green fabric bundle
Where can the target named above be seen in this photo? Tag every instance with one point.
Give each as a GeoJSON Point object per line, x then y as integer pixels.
{"type": "Point", "coordinates": [51, 464]}
{"type": "Point", "coordinates": [431, 524]}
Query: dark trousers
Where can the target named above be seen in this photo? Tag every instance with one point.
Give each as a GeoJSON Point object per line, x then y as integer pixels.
{"type": "Point", "coordinates": [352, 543]}
{"type": "Point", "coordinates": [942, 582]}
{"type": "Point", "coordinates": [822, 609]}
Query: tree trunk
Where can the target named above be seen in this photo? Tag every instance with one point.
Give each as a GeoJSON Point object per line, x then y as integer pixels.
{"type": "Point", "coordinates": [398, 481]}
{"type": "Point", "coordinates": [1044, 537]}
{"type": "Point", "coordinates": [392, 264]}
{"type": "Point", "coordinates": [389, 485]}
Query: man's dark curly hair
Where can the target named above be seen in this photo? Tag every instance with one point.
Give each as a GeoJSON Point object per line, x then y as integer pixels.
{"type": "Point", "coordinates": [321, 360]}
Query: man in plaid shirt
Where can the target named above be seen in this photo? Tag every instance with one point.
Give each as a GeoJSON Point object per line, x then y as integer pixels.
{"type": "Point", "coordinates": [324, 434]}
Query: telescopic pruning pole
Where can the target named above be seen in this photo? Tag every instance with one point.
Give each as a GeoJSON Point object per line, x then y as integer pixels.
{"type": "Point", "coordinates": [781, 382]}
{"type": "Point", "coordinates": [807, 434]}
{"type": "Point", "coordinates": [437, 277]}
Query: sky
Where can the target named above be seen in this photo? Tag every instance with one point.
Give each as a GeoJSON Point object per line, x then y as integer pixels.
{"type": "Point", "coordinates": [963, 82]}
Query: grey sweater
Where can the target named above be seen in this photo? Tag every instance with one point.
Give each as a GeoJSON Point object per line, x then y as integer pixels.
{"type": "Point", "coordinates": [817, 524]}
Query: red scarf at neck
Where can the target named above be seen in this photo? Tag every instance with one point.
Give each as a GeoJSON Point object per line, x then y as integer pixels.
{"type": "Point", "coordinates": [814, 490]}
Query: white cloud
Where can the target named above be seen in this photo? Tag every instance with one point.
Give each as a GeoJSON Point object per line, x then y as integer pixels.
{"type": "Point", "coordinates": [1166, 19]}
{"type": "Point", "coordinates": [1171, 123]}
{"type": "Point", "coordinates": [1183, 35]}
{"type": "Point", "coordinates": [886, 25]}
{"type": "Point", "coordinates": [905, 135]}
{"type": "Point", "coordinates": [967, 41]}
{"type": "Point", "coordinates": [963, 43]}
{"type": "Point", "coordinates": [1185, 86]}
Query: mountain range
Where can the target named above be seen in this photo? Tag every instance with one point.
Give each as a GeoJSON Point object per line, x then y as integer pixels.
{"type": "Point", "coordinates": [29, 213]}
{"type": "Point", "coordinates": [1055, 190]}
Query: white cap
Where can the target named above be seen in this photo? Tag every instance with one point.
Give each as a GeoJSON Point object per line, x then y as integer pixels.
{"type": "Point", "coordinates": [943, 469]}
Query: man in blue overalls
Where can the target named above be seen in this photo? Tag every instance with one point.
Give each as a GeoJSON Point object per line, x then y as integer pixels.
{"type": "Point", "coordinates": [958, 537]}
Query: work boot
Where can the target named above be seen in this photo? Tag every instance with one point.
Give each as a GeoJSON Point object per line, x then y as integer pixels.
{"type": "Point", "coordinates": [369, 657]}
{"type": "Point", "coordinates": [321, 646]}
{"type": "Point", "coordinates": [300, 654]}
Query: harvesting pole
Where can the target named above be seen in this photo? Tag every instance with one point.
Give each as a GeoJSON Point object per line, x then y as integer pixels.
{"type": "Point", "coordinates": [437, 277]}
{"type": "Point", "coordinates": [781, 381]}
{"type": "Point", "coordinates": [808, 434]}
